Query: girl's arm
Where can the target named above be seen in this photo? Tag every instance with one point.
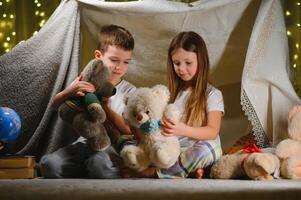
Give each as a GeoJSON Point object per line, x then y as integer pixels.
{"type": "Point", "coordinates": [208, 132]}
{"type": "Point", "coordinates": [76, 88]}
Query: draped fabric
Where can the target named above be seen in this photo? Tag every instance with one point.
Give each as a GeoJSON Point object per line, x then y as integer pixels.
{"type": "Point", "coordinates": [247, 47]}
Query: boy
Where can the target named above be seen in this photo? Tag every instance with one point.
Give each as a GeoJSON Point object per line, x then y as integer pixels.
{"type": "Point", "coordinates": [115, 46]}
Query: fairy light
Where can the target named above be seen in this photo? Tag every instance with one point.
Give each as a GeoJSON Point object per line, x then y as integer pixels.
{"type": "Point", "coordinates": [287, 13]}
{"type": "Point", "coordinates": [296, 56]}
{"type": "Point", "coordinates": [293, 24]}
{"type": "Point", "coordinates": [5, 44]}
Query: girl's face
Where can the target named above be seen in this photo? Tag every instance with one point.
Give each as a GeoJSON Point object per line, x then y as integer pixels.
{"type": "Point", "coordinates": [185, 63]}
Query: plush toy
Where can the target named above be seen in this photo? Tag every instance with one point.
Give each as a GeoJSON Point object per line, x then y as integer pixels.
{"type": "Point", "coordinates": [85, 114]}
{"type": "Point", "coordinates": [289, 150]}
{"type": "Point", "coordinates": [144, 110]}
{"type": "Point", "coordinates": [250, 162]}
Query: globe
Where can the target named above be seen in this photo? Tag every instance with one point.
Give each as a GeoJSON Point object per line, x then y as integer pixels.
{"type": "Point", "coordinates": [10, 125]}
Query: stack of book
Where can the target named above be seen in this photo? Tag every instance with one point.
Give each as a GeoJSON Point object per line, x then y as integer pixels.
{"type": "Point", "coordinates": [17, 167]}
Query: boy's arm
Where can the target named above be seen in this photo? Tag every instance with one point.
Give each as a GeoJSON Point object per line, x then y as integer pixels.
{"type": "Point", "coordinates": [117, 120]}
{"type": "Point", "coordinates": [76, 88]}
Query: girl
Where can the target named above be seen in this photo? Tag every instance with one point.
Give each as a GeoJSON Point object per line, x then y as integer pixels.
{"type": "Point", "coordinates": [201, 106]}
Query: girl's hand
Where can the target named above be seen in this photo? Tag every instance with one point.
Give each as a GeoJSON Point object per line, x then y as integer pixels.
{"type": "Point", "coordinates": [79, 87]}
{"type": "Point", "coordinates": [172, 128]}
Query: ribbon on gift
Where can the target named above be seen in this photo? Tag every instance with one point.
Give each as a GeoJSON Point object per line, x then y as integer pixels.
{"type": "Point", "coordinates": [251, 148]}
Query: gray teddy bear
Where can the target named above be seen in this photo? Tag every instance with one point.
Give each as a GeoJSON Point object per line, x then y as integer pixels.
{"type": "Point", "coordinates": [85, 114]}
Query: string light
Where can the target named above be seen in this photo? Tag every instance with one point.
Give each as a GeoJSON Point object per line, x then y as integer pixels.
{"type": "Point", "coordinates": [293, 24]}
{"type": "Point", "coordinates": [287, 13]}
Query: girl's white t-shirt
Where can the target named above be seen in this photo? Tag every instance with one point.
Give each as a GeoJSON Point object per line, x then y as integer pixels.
{"type": "Point", "coordinates": [214, 103]}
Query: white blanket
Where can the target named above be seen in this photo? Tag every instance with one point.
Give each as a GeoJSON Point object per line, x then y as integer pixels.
{"type": "Point", "coordinates": [247, 47]}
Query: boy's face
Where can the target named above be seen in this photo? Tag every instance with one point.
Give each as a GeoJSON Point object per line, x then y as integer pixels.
{"type": "Point", "coordinates": [117, 60]}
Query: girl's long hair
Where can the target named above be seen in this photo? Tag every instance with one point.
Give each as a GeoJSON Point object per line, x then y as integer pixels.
{"type": "Point", "coordinates": [195, 113]}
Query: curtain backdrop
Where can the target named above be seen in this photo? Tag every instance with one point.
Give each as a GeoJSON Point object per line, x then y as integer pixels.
{"type": "Point", "coordinates": [247, 48]}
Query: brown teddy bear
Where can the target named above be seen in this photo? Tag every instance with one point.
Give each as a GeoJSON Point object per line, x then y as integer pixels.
{"type": "Point", "coordinates": [289, 150]}
{"type": "Point", "coordinates": [85, 114]}
{"type": "Point", "coordinates": [250, 162]}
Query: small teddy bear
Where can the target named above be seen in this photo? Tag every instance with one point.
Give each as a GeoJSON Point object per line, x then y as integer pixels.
{"type": "Point", "coordinates": [144, 109]}
{"type": "Point", "coordinates": [85, 114]}
{"type": "Point", "coordinates": [289, 150]}
{"type": "Point", "coordinates": [250, 162]}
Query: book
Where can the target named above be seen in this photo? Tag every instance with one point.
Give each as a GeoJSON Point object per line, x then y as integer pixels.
{"type": "Point", "coordinates": [17, 162]}
{"type": "Point", "coordinates": [18, 173]}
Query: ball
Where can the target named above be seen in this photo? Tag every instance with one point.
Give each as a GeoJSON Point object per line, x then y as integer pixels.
{"type": "Point", "coordinates": [10, 124]}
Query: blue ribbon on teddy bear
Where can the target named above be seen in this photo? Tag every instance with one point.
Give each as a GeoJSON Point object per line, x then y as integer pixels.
{"type": "Point", "coordinates": [151, 125]}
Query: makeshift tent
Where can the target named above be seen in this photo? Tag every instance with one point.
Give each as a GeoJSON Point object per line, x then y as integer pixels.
{"type": "Point", "coordinates": [247, 46]}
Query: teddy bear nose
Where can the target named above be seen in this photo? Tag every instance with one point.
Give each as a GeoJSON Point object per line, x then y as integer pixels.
{"type": "Point", "coordinates": [139, 117]}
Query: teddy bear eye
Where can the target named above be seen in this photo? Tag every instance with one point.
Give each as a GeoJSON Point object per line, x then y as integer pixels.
{"type": "Point", "coordinates": [147, 112]}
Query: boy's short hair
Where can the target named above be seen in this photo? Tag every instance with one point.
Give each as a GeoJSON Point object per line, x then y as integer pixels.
{"type": "Point", "coordinates": [114, 35]}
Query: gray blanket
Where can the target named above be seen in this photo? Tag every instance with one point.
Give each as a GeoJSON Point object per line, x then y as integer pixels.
{"type": "Point", "coordinates": [33, 72]}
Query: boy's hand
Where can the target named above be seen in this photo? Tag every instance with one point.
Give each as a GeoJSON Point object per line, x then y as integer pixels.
{"type": "Point", "coordinates": [79, 87]}
{"type": "Point", "coordinates": [172, 128]}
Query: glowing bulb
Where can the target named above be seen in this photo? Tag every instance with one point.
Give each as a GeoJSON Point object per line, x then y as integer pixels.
{"type": "Point", "coordinates": [7, 1]}
{"type": "Point", "coordinates": [38, 5]}
{"type": "Point", "coordinates": [1, 3]}
{"type": "Point", "coordinates": [287, 13]}
{"type": "Point", "coordinates": [295, 65]}
{"type": "Point", "coordinates": [297, 45]}
{"type": "Point", "coordinates": [7, 50]}
{"type": "Point", "coordinates": [42, 14]}
{"type": "Point", "coordinates": [5, 44]}
{"type": "Point", "coordinates": [298, 24]}
{"type": "Point", "coordinates": [8, 38]}
{"type": "Point", "coordinates": [36, 1]}
{"type": "Point", "coordinates": [11, 16]}
{"type": "Point", "coordinates": [288, 32]}
{"type": "Point", "coordinates": [4, 15]}
{"type": "Point", "coordinates": [298, 3]}
{"type": "Point", "coordinates": [296, 56]}
{"type": "Point", "coordinates": [35, 32]}
{"type": "Point", "coordinates": [13, 33]}
{"type": "Point", "coordinates": [37, 12]}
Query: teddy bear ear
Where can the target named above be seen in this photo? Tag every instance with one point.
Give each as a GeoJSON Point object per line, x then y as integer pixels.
{"type": "Point", "coordinates": [161, 91]}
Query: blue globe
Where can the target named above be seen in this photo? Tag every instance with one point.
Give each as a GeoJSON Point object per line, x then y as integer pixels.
{"type": "Point", "coordinates": [10, 124]}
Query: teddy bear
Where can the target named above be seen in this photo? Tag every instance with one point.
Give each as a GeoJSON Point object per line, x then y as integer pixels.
{"type": "Point", "coordinates": [85, 114]}
{"type": "Point", "coordinates": [249, 162]}
{"type": "Point", "coordinates": [144, 109]}
{"type": "Point", "coordinates": [289, 150]}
